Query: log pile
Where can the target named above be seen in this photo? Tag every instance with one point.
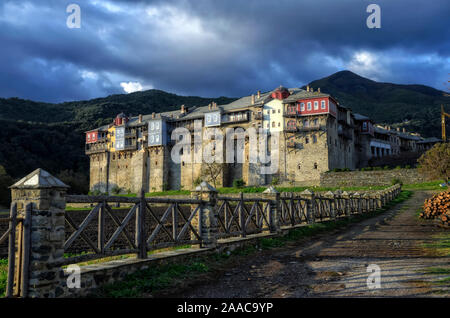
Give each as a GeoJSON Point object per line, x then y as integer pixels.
{"type": "Point", "coordinates": [438, 207]}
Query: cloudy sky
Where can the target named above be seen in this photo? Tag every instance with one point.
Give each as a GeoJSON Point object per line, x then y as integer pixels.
{"type": "Point", "coordinates": [214, 47]}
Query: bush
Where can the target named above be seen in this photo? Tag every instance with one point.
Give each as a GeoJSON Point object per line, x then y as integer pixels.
{"type": "Point", "coordinates": [407, 167]}
{"type": "Point", "coordinates": [396, 181]}
{"type": "Point", "coordinates": [336, 170]}
{"type": "Point", "coordinates": [275, 181]}
{"type": "Point", "coordinates": [197, 181]}
{"type": "Point", "coordinates": [238, 183]}
{"type": "Point", "coordinates": [386, 168]}
{"type": "Point", "coordinates": [116, 190]}
{"type": "Point", "coordinates": [398, 167]}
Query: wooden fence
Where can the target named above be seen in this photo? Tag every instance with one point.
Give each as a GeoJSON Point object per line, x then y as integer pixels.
{"type": "Point", "coordinates": [204, 219]}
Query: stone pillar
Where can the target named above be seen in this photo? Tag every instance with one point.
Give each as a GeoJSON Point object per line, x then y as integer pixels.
{"type": "Point", "coordinates": [379, 200]}
{"type": "Point", "coordinates": [273, 212]}
{"type": "Point", "coordinates": [365, 198]}
{"type": "Point", "coordinates": [47, 197]}
{"type": "Point", "coordinates": [358, 198]}
{"type": "Point", "coordinates": [311, 205]}
{"type": "Point", "coordinates": [347, 197]}
{"type": "Point", "coordinates": [206, 218]}
{"type": "Point", "coordinates": [338, 201]}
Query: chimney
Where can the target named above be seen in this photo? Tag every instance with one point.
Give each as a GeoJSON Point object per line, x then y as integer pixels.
{"type": "Point", "coordinates": [153, 115]}
{"type": "Point", "coordinates": [404, 130]}
{"type": "Point", "coordinates": [210, 106]}
{"type": "Point", "coordinates": [183, 110]}
{"type": "Point", "coordinates": [318, 90]}
{"type": "Point", "coordinates": [259, 94]}
{"type": "Point", "coordinates": [307, 88]}
{"type": "Point", "coordinates": [140, 118]}
{"type": "Point", "coordinates": [253, 99]}
{"type": "Point", "coordinates": [398, 129]}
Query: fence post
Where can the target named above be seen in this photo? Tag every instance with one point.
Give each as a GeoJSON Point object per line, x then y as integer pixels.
{"type": "Point", "coordinates": [332, 204]}
{"type": "Point", "coordinates": [40, 199]}
{"type": "Point", "coordinates": [206, 219]}
{"type": "Point", "coordinates": [357, 196]}
{"type": "Point", "coordinates": [273, 211]}
{"type": "Point", "coordinates": [141, 242]}
{"type": "Point", "coordinates": [379, 200]}
{"type": "Point", "coordinates": [311, 204]}
{"type": "Point", "coordinates": [346, 197]}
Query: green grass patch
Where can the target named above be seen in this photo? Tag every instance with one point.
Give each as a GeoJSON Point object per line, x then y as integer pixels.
{"type": "Point", "coordinates": [442, 245]}
{"type": "Point", "coordinates": [153, 279]}
{"type": "Point", "coordinates": [433, 185]}
{"type": "Point", "coordinates": [3, 276]}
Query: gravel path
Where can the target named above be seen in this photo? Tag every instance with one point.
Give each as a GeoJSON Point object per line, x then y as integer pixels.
{"type": "Point", "coordinates": [335, 264]}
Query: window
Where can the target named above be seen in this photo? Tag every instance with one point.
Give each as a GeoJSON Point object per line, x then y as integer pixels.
{"type": "Point", "coordinates": [364, 125]}
{"type": "Point", "coordinates": [323, 104]}
{"type": "Point", "coordinates": [314, 138]}
{"type": "Point", "coordinates": [273, 111]}
{"type": "Point", "coordinates": [279, 124]}
{"type": "Point", "coordinates": [299, 166]}
{"type": "Point", "coordinates": [306, 140]}
{"type": "Point", "coordinates": [309, 105]}
{"type": "Point", "coordinates": [302, 107]}
{"type": "Point", "coordinates": [273, 124]}
{"type": "Point", "coordinates": [316, 122]}
{"type": "Point", "coordinates": [316, 105]}
{"type": "Point", "coordinates": [279, 111]}
{"type": "Point", "coordinates": [315, 165]}
{"type": "Point", "coordinates": [306, 123]}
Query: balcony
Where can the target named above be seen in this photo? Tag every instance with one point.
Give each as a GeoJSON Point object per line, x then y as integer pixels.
{"type": "Point", "coordinates": [291, 112]}
{"type": "Point", "coordinates": [258, 116]}
{"type": "Point", "coordinates": [291, 128]}
{"type": "Point", "coordinates": [95, 148]}
{"type": "Point", "coordinates": [312, 128]}
{"type": "Point", "coordinates": [236, 118]}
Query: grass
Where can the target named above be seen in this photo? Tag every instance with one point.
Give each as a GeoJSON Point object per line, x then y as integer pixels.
{"type": "Point", "coordinates": [154, 279]}
{"type": "Point", "coordinates": [442, 246]}
{"type": "Point", "coordinates": [3, 276]}
{"type": "Point", "coordinates": [168, 276]}
{"type": "Point", "coordinates": [433, 185]}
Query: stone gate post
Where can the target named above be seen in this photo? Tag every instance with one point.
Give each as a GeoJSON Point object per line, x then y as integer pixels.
{"type": "Point", "coordinates": [206, 218]}
{"type": "Point", "coordinates": [273, 212]}
{"type": "Point", "coordinates": [47, 197]}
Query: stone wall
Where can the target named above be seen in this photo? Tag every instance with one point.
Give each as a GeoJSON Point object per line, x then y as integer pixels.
{"type": "Point", "coordinates": [370, 178]}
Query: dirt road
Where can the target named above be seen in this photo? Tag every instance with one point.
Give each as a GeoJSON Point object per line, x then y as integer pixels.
{"type": "Point", "coordinates": [335, 264]}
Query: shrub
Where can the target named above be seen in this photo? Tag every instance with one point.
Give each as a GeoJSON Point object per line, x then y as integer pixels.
{"type": "Point", "coordinates": [386, 168]}
{"type": "Point", "coordinates": [275, 181]}
{"type": "Point", "coordinates": [398, 167]}
{"type": "Point", "coordinates": [116, 190]}
{"type": "Point", "coordinates": [407, 167]}
{"type": "Point", "coordinates": [238, 183]}
{"type": "Point", "coordinates": [197, 181]}
{"type": "Point", "coordinates": [396, 181]}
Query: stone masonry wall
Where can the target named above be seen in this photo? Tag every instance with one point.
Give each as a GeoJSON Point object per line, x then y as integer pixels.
{"type": "Point", "coordinates": [370, 178]}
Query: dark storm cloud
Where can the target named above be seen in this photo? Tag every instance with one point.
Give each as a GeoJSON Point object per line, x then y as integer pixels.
{"type": "Point", "coordinates": [212, 48]}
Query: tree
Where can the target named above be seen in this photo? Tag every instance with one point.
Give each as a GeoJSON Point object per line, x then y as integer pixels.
{"type": "Point", "coordinates": [435, 163]}
{"type": "Point", "coordinates": [5, 192]}
{"type": "Point", "coordinates": [211, 172]}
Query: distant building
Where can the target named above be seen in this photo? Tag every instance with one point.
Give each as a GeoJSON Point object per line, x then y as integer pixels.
{"type": "Point", "coordinates": [316, 134]}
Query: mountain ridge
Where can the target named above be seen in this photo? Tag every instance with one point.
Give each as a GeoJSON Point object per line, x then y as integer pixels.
{"type": "Point", "coordinates": [32, 130]}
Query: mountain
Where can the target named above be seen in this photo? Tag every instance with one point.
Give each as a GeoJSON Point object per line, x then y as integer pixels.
{"type": "Point", "coordinates": [51, 136]}
{"type": "Point", "coordinates": [30, 131]}
{"type": "Point", "coordinates": [415, 107]}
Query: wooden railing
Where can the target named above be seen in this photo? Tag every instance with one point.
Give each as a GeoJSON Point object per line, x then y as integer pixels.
{"type": "Point", "coordinates": [158, 223]}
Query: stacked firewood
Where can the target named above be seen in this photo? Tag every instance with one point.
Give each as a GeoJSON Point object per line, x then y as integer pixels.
{"type": "Point", "coordinates": [437, 207]}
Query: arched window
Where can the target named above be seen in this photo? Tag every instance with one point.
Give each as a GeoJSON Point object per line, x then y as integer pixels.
{"type": "Point", "coordinates": [315, 165]}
